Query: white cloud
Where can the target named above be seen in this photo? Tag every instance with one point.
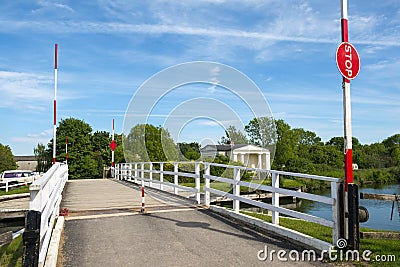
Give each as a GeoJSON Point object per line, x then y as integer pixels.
{"type": "Point", "coordinates": [42, 137]}
{"type": "Point", "coordinates": [51, 6]}
{"type": "Point", "coordinates": [24, 90]}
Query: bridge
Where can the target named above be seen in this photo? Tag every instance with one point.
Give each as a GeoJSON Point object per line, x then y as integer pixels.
{"type": "Point", "coordinates": [161, 213]}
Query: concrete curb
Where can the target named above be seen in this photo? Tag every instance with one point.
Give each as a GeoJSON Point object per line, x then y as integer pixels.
{"type": "Point", "coordinates": [14, 196]}
{"type": "Point", "coordinates": [52, 253]}
{"type": "Point", "coordinates": [301, 239]}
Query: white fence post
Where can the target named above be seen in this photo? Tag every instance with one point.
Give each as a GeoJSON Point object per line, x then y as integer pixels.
{"type": "Point", "coordinates": [335, 211]}
{"type": "Point", "coordinates": [126, 171]}
{"type": "Point", "coordinates": [176, 180]}
{"type": "Point", "coordinates": [275, 198]}
{"type": "Point", "coordinates": [151, 174]}
{"type": "Point", "coordinates": [6, 186]}
{"type": "Point", "coordinates": [136, 172]}
{"type": "Point", "coordinates": [207, 184]}
{"type": "Point", "coordinates": [142, 172]}
{"type": "Point", "coordinates": [129, 171]}
{"type": "Point", "coordinates": [161, 175]}
{"type": "Point", "coordinates": [114, 171]}
{"type": "Point", "coordinates": [197, 180]}
{"type": "Point", "coordinates": [236, 189]}
{"type": "Point", "coordinates": [35, 200]}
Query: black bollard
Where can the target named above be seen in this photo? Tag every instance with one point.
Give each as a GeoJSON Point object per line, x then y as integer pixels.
{"type": "Point", "coordinates": [31, 239]}
{"type": "Point", "coordinates": [354, 228]}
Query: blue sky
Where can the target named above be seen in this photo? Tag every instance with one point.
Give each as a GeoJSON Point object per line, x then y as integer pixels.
{"type": "Point", "coordinates": [107, 49]}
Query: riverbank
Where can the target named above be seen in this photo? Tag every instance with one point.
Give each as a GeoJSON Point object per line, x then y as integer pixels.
{"type": "Point", "coordinates": [11, 254]}
{"type": "Point", "coordinates": [376, 246]}
{"type": "Point", "coordinates": [18, 190]}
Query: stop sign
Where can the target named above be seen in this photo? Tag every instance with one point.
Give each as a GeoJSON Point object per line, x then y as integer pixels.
{"type": "Point", "coordinates": [347, 60]}
{"type": "Point", "coordinates": [113, 145]}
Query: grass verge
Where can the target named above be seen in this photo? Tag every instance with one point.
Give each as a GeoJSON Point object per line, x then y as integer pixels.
{"type": "Point", "coordinates": [18, 190]}
{"type": "Point", "coordinates": [11, 254]}
{"type": "Point", "coordinates": [381, 249]}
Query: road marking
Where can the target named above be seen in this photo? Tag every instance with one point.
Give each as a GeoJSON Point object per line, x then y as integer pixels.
{"type": "Point", "coordinates": [122, 214]}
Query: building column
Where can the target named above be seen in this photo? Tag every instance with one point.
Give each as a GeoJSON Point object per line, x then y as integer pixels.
{"type": "Point", "coordinates": [242, 158]}
{"type": "Point", "coordinates": [260, 160]}
{"type": "Point", "coordinates": [234, 156]}
{"type": "Point", "coordinates": [267, 161]}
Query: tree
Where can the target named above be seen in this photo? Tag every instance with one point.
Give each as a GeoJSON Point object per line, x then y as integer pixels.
{"type": "Point", "coordinates": [234, 136]}
{"type": "Point", "coordinates": [101, 149]}
{"type": "Point", "coordinates": [306, 138]}
{"type": "Point", "coordinates": [396, 156]}
{"type": "Point", "coordinates": [392, 145]}
{"type": "Point", "coordinates": [286, 144]}
{"type": "Point", "coordinates": [81, 161]}
{"type": "Point", "coordinates": [262, 132]}
{"type": "Point", "coordinates": [146, 142]}
{"type": "Point", "coordinates": [392, 141]}
{"type": "Point", "coordinates": [43, 158]}
{"type": "Point", "coordinates": [7, 161]}
{"type": "Point", "coordinates": [189, 151]}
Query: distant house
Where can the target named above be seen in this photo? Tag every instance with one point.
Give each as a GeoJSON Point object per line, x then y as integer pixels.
{"type": "Point", "coordinates": [250, 155]}
{"type": "Point", "coordinates": [26, 162]}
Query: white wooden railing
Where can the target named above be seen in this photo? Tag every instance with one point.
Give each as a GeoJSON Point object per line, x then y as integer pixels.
{"type": "Point", "coordinates": [45, 197]}
{"type": "Point", "coordinates": [21, 182]}
{"type": "Point", "coordinates": [136, 172]}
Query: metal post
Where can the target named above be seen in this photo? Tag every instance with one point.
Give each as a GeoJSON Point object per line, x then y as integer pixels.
{"type": "Point", "coordinates": [55, 103]}
{"type": "Point", "coordinates": [31, 239]}
{"type": "Point", "coordinates": [112, 150]}
{"type": "Point", "coordinates": [354, 228]}
{"type": "Point", "coordinates": [348, 146]}
{"type": "Point", "coordinates": [142, 210]}
{"type": "Point", "coordinates": [66, 150]}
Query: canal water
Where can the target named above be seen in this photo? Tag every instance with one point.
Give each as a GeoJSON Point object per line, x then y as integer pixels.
{"type": "Point", "coordinates": [379, 211]}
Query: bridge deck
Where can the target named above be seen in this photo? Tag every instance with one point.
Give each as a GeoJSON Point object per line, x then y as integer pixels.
{"type": "Point", "coordinates": [106, 229]}
{"type": "Point", "coordinates": [94, 196]}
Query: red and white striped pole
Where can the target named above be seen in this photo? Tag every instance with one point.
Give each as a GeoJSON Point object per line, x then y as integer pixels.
{"type": "Point", "coordinates": [142, 210]}
{"type": "Point", "coordinates": [348, 146]}
{"type": "Point", "coordinates": [66, 150]}
{"type": "Point", "coordinates": [55, 103]}
{"type": "Point", "coordinates": [112, 150]}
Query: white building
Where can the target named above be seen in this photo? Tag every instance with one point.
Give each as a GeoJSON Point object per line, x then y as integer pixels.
{"type": "Point", "coordinates": [250, 155]}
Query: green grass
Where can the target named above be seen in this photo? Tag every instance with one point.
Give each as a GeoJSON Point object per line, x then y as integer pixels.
{"type": "Point", "coordinates": [18, 190]}
{"type": "Point", "coordinates": [11, 254]}
{"type": "Point", "coordinates": [376, 246]}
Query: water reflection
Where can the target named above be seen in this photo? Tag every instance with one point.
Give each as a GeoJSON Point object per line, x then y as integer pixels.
{"type": "Point", "coordinates": [379, 211]}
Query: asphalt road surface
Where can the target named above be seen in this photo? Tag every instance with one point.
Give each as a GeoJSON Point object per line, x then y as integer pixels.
{"type": "Point", "coordinates": [170, 237]}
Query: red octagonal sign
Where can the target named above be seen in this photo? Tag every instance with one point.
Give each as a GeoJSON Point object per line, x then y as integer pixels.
{"type": "Point", "coordinates": [347, 60]}
{"type": "Point", "coordinates": [113, 145]}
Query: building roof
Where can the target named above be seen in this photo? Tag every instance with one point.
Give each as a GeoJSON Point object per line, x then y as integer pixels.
{"type": "Point", "coordinates": [226, 147]}
{"type": "Point", "coordinates": [229, 147]}
{"type": "Point", "coordinates": [25, 158]}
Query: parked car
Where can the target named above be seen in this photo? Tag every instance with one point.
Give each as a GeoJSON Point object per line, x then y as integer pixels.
{"type": "Point", "coordinates": [18, 176]}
